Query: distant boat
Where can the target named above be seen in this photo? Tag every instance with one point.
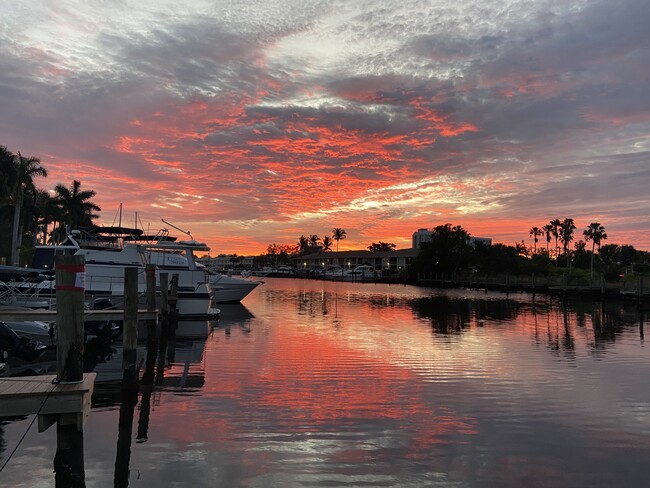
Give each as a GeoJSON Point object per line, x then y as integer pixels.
{"type": "Point", "coordinates": [333, 272]}
{"type": "Point", "coordinates": [363, 273]}
{"type": "Point", "coordinates": [281, 271]}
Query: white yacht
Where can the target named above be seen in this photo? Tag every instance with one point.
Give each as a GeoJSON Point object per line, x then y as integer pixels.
{"type": "Point", "coordinates": [230, 289]}
{"type": "Point", "coordinates": [104, 274]}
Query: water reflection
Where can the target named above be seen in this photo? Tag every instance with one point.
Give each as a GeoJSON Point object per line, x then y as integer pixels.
{"type": "Point", "coordinates": [335, 384]}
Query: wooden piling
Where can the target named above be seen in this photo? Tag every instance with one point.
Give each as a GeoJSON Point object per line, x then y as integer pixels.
{"type": "Point", "coordinates": [173, 301]}
{"type": "Point", "coordinates": [70, 278]}
{"type": "Point", "coordinates": [70, 288]}
{"type": "Point", "coordinates": [130, 330]}
{"type": "Point", "coordinates": [164, 304]}
{"type": "Point", "coordinates": [150, 273]}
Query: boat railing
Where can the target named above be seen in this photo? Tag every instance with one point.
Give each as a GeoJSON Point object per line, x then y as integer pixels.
{"type": "Point", "coordinates": [30, 292]}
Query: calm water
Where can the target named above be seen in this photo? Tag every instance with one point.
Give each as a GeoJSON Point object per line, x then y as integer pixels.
{"type": "Point", "coordinates": [318, 384]}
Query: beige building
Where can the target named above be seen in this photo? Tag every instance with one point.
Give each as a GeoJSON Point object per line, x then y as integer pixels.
{"type": "Point", "coordinates": [388, 263]}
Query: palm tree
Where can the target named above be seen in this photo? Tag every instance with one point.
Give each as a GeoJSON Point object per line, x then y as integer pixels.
{"type": "Point", "coordinates": [49, 211]}
{"type": "Point", "coordinates": [75, 204]}
{"type": "Point", "coordinates": [548, 230]}
{"type": "Point", "coordinates": [338, 234]}
{"type": "Point", "coordinates": [535, 232]}
{"type": "Point", "coordinates": [566, 235]}
{"type": "Point", "coordinates": [303, 242]}
{"type": "Point", "coordinates": [19, 181]}
{"type": "Point", "coordinates": [313, 240]}
{"type": "Point", "coordinates": [596, 234]}
{"type": "Point", "coordinates": [327, 243]}
{"type": "Point", "coordinates": [555, 231]}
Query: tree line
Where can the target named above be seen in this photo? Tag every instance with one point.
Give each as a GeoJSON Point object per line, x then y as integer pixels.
{"type": "Point", "coordinates": [305, 245]}
{"type": "Point", "coordinates": [313, 243]}
{"type": "Point", "coordinates": [450, 250]}
{"type": "Point", "coordinates": [32, 216]}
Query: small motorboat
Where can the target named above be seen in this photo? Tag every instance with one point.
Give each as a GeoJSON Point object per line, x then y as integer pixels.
{"type": "Point", "coordinates": [23, 348]}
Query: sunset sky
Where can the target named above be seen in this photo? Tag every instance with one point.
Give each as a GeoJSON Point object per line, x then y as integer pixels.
{"type": "Point", "coordinates": [250, 122]}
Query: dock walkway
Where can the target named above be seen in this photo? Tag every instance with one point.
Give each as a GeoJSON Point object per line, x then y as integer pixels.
{"type": "Point", "coordinates": [29, 395]}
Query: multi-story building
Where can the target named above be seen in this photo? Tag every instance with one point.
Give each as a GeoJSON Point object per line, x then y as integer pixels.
{"type": "Point", "coordinates": [424, 235]}
{"type": "Point", "coordinates": [385, 263]}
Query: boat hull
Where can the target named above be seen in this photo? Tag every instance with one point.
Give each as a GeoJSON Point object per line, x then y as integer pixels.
{"type": "Point", "coordinates": [231, 290]}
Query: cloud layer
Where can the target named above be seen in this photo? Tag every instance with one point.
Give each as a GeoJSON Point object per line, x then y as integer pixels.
{"type": "Point", "coordinates": [254, 122]}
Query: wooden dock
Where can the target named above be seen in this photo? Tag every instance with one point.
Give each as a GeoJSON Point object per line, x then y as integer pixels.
{"type": "Point", "coordinates": [68, 403]}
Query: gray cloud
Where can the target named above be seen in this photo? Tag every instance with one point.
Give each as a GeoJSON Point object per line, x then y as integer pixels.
{"type": "Point", "coordinates": [556, 92]}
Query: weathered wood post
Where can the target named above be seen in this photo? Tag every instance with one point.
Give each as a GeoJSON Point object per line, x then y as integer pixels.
{"type": "Point", "coordinates": [173, 302]}
{"type": "Point", "coordinates": [70, 277]}
{"type": "Point", "coordinates": [130, 332]}
{"type": "Point", "coordinates": [150, 273]}
{"type": "Point", "coordinates": [164, 304]}
{"type": "Point", "coordinates": [164, 326]}
{"type": "Point", "coordinates": [70, 284]}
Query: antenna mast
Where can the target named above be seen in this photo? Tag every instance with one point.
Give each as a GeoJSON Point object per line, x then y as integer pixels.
{"type": "Point", "coordinates": [186, 232]}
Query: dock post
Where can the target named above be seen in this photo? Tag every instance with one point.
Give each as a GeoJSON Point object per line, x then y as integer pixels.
{"type": "Point", "coordinates": [164, 305]}
{"type": "Point", "coordinates": [70, 274]}
{"type": "Point", "coordinates": [150, 273]}
{"type": "Point", "coordinates": [130, 333]}
{"type": "Point", "coordinates": [173, 301]}
{"type": "Point", "coordinates": [70, 286]}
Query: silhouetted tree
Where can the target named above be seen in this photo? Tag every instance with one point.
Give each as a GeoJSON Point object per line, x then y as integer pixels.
{"type": "Point", "coordinates": [327, 243]}
{"type": "Point", "coordinates": [381, 247]}
{"type": "Point", "coordinates": [18, 175]}
{"type": "Point", "coordinates": [596, 234]}
{"type": "Point", "coordinates": [338, 234]}
{"type": "Point", "coordinates": [303, 243]}
{"type": "Point", "coordinates": [446, 251]}
{"type": "Point", "coordinates": [567, 226]}
{"type": "Point", "coordinates": [548, 231]}
{"type": "Point", "coordinates": [555, 232]}
{"type": "Point", "coordinates": [76, 206]}
{"type": "Point", "coordinates": [535, 232]}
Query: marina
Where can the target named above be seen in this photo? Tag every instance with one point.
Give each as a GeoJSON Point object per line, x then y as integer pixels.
{"type": "Point", "coordinates": [325, 383]}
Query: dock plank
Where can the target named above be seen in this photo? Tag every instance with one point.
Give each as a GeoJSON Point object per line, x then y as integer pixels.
{"type": "Point", "coordinates": [25, 395]}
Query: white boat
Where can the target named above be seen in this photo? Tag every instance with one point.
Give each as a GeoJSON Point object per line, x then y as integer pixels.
{"type": "Point", "coordinates": [229, 289]}
{"type": "Point", "coordinates": [104, 272]}
{"type": "Point", "coordinates": [332, 272]}
{"type": "Point", "coordinates": [363, 273]}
